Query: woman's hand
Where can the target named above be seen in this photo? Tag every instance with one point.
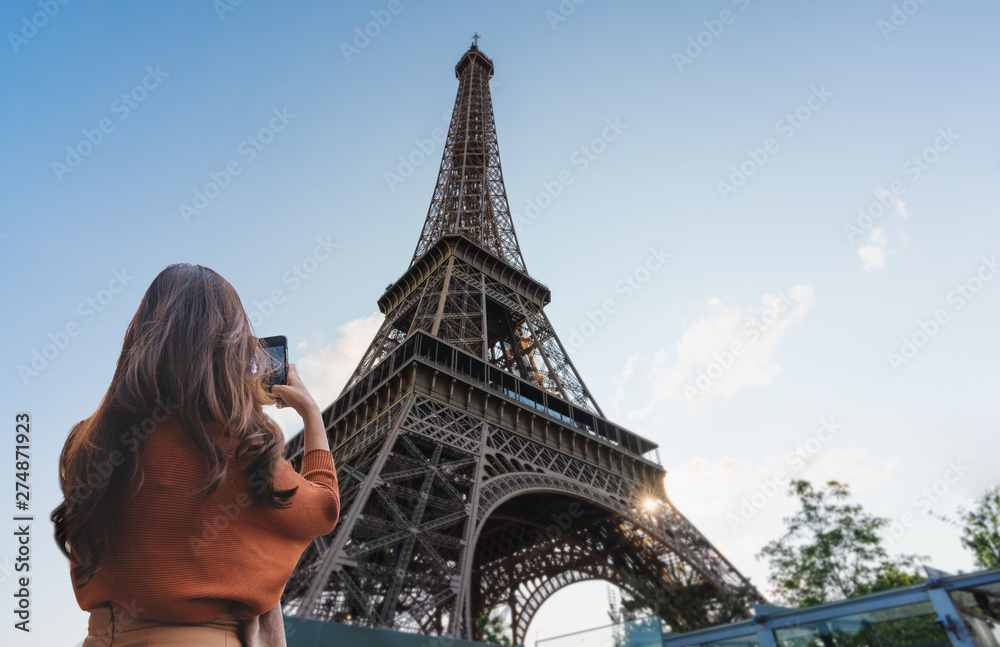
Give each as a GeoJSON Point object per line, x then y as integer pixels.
{"type": "Point", "coordinates": [296, 395]}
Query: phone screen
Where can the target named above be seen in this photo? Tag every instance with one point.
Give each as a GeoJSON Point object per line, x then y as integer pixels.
{"type": "Point", "coordinates": [275, 369]}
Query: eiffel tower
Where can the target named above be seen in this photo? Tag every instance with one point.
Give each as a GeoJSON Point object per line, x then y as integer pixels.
{"type": "Point", "coordinates": [477, 472]}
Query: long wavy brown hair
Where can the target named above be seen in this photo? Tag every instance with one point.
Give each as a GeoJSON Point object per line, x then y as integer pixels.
{"type": "Point", "coordinates": [190, 352]}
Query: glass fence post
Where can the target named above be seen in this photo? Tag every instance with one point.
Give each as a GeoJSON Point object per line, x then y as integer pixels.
{"type": "Point", "coordinates": [949, 618]}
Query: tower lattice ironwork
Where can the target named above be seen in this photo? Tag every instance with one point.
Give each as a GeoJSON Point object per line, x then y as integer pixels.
{"type": "Point", "coordinates": [476, 470]}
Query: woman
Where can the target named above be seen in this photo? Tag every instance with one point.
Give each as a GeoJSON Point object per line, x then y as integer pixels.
{"type": "Point", "coordinates": [181, 520]}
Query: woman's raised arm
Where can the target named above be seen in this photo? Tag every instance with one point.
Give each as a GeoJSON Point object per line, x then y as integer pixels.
{"type": "Point", "coordinates": [297, 396]}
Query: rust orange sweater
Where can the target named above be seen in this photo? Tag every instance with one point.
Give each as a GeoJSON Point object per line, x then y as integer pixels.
{"type": "Point", "coordinates": [184, 558]}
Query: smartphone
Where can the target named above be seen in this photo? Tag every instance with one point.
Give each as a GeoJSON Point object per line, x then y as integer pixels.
{"type": "Point", "coordinates": [275, 369]}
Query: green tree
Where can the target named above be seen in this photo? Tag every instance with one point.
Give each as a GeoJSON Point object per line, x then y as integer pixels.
{"type": "Point", "coordinates": [833, 550]}
{"type": "Point", "coordinates": [491, 629]}
{"type": "Point", "coordinates": [981, 529]}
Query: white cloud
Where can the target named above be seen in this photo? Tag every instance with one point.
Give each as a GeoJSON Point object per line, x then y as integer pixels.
{"type": "Point", "coordinates": [326, 369]}
{"type": "Point", "coordinates": [900, 207]}
{"type": "Point", "coordinates": [875, 253]}
{"type": "Point", "coordinates": [727, 349]}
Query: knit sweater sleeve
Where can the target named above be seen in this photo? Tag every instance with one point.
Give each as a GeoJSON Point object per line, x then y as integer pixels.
{"type": "Point", "coordinates": [317, 467]}
{"type": "Point", "coordinates": [318, 489]}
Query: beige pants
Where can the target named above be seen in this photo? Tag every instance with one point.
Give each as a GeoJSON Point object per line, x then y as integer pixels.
{"type": "Point", "coordinates": [124, 630]}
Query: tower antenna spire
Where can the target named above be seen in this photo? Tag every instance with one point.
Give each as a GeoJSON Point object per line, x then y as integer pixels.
{"type": "Point", "coordinates": [475, 40]}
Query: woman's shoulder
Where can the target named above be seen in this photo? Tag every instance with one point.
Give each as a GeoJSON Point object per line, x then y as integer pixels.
{"type": "Point", "coordinates": [172, 431]}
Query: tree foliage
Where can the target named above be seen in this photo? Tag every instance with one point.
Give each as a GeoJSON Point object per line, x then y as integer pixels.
{"type": "Point", "coordinates": [833, 550]}
{"type": "Point", "coordinates": [981, 529]}
{"type": "Point", "coordinates": [491, 629]}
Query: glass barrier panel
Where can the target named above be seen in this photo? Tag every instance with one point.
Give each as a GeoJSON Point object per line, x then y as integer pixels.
{"type": "Point", "coordinates": [980, 609]}
{"type": "Point", "coordinates": [644, 632]}
{"type": "Point", "coordinates": [749, 640]}
{"type": "Point", "coordinates": [911, 624]}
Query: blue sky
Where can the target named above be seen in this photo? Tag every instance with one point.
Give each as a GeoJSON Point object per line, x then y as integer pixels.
{"type": "Point", "coordinates": [747, 137]}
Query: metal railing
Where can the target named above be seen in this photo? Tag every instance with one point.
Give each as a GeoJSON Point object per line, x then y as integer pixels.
{"type": "Point", "coordinates": [944, 610]}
